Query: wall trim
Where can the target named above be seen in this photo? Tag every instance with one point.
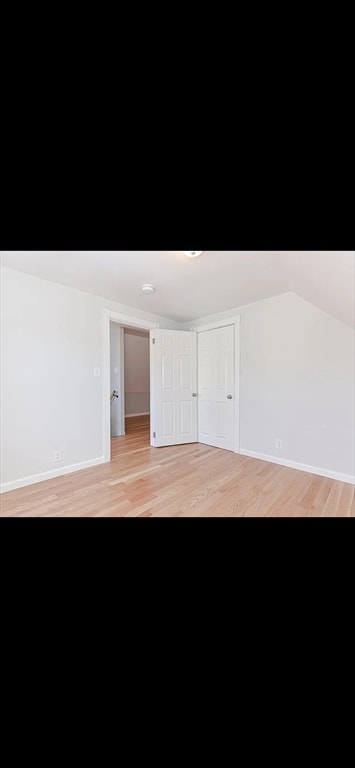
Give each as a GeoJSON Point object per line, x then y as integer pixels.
{"type": "Point", "coordinates": [131, 415]}
{"type": "Point", "coordinates": [33, 479]}
{"type": "Point", "coordinates": [212, 326]}
{"type": "Point", "coordinates": [130, 320]}
{"type": "Point", "coordinates": [302, 467]}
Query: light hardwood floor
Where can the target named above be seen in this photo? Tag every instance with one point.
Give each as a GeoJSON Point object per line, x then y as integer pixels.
{"type": "Point", "coordinates": [184, 481]}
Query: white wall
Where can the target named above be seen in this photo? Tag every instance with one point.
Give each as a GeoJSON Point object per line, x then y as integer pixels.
{"type": "Point", "coordinates": [297, 379]}
{"type": "Point", "coordinates": [297, 383]}
{"type": "Point", "coordinates": [137, 372]}
{"type": "Point", "coordinates": [51, 341]}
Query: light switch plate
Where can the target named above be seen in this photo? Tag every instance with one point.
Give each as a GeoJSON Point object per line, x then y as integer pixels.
{"type": "Point", "coordinates": [97, 371]}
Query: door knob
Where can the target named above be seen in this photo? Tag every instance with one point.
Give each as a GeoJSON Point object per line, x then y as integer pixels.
{"type": "Point", "coordinates": [194, 394]}
{"type": "Point", "coordinates": [229, 397]}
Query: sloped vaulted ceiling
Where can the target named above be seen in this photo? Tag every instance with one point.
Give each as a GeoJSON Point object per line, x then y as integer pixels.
{"type": "Point", "coordinates": [324, 278]}
{"type": "Point", "coordinates": [190, 288]}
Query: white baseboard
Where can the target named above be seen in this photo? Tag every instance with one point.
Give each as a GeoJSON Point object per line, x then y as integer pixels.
{"type": "Point", "coordinates": [14, 484]}
{"type": "Point", "coordinates": [60, 471]}
{"type": "Point", "coordinates": [302, 467]}
{"type": "Point", "coordinates": [131, 415]}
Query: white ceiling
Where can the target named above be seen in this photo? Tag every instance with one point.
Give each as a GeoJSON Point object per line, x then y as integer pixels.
{"type": "Point", "coordinates": [190, 288]}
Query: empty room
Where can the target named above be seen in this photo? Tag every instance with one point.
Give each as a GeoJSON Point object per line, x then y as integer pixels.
{"type": "Point", "coordinates": [177, 384]}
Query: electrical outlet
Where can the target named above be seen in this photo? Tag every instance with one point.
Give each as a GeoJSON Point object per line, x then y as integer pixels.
{"type": "Point", "coordinates": [57, 456]}
{"type": "Point", "coordinates": [279, 445]}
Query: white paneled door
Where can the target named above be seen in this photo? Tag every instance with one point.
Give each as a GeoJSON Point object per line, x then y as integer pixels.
{"type": "Point", "coordinates": [216, 387]}
{"type": "Point", "coordinates": [173, 387]}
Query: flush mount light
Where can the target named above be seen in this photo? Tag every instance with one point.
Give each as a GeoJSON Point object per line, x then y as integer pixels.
{"type": "Point", "coordinates": [148, 288]}
{"type": "Point", "coordinates": [193, 254]}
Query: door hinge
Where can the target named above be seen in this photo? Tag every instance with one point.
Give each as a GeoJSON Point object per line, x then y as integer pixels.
{"type": "Point", "coordinates": [154, 434]}
{"type": "Point", "coordinates": [153, 341]}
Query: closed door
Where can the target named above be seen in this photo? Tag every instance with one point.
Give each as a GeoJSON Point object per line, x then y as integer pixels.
{"type": "Point", "coordinates": [216, 388]}
{"type": "Point", "coordinates": [173, 387]}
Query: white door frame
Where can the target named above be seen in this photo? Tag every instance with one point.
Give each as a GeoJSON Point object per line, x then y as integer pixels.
{"type": "Point", "coordinates": [235, 321]}
{"type": "Point", "coordinates": [108, 316]}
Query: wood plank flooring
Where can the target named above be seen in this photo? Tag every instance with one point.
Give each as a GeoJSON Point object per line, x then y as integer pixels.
{"type": "Point", "coordinates": [182, 481]}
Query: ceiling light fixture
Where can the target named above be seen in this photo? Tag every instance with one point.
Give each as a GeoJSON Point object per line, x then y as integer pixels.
{"type": "Point", "coordinates": [193, 254]}
{"type": "Point", "coordinates": [148, 288]}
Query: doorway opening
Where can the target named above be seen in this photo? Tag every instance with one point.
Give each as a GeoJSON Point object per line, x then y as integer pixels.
{"type": "Point", "coordinates": [136, 374]}
{"type": "Point", "coordinates": [114, 413]}
{"type": "Point", "coordinates": [129, 385]}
